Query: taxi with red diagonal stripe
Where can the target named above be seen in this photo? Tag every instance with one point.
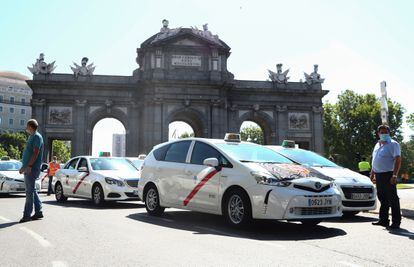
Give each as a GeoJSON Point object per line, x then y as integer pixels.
{"type": "Point", "coordinates": [97, 178]}
{"type": "Point", "coordinates": [239, 180]}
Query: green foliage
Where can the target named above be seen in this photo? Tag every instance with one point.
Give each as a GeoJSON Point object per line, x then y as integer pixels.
{"type": "Point", "coordinates": [410, 121]}
{"type": "Point", "coordinates": [407, 155]}
{"type": "Point", "coordinates": [61, 150]}
{"type": "Point", "coordinates": [186, 135]}
{"type": "Point", "coordinates": [253, 134]}
{"type": "Point", "coordinates": [350, 126]}
{"type": "Point", "coordinates": [13, 143]}
{"type": "Point", "coordinates": [3, 152]}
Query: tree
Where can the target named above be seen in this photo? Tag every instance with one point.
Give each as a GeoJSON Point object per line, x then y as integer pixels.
{"type": "Point", "coordinates": [61, 150]}
{"type": "Point", "coordinates": [350, 126]}
{"type": "Point", "coordinates": [13, 143]}
{"type": "Point", "coordinates": [186, 135]}
{"type": "Point", "coordinates": [253, 134]}
{"type": "Point", "coordinates": [3, 152]}
{"type": "Point", "coordinates": [410, 121]}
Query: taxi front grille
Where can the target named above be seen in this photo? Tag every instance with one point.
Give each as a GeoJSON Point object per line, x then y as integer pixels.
{"type": "Point", "coordinates": [132, 182]}
{"type": "Point", "coordinates": [310, 189]}
{"type": "Point", "coordinates": [306, 211]}
{"type": "Point", "coordinates": [348, 191]}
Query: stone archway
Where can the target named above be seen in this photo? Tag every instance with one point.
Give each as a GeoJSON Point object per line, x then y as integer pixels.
{"type": "Point", "coordinates": [194, 118]}
{"type": "Point", "coordinates": [103, 113]}
{"type": "Point", "coordinates": [263, 120]}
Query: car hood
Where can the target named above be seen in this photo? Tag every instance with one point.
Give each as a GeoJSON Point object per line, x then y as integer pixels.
{"type": "Point", "coordinates": [343, 175]}
{"type": "Point", "coordinates": [13, 175]}
{"type": "Point", "coordinates": [287, 171]}
{"type": "Point", "coordinates": [122, 175]}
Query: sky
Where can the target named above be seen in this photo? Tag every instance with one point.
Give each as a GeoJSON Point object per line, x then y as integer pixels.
{"type": "Point", "coordinates": [357, 44]}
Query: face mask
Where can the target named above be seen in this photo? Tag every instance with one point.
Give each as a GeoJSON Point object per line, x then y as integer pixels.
{"type": "Point", "coordinates": [385, 137]}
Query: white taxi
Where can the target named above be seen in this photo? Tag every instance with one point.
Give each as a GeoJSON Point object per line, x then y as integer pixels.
{"type": "Point", "coordinates": [97, 178]}
{"type": "Point", "coordinates": [239, 180]}
{"type": "Point", "coordinates": [11, 181]}
{"type": "Point", "coordinates": [357, 191]}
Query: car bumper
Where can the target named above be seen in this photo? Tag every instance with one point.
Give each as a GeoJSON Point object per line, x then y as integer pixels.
{"type": "Point", "coordinates": [293, 204]}
{"type": "Point", "coordinates": [349, 203]}
{"type": "Point", "coordinates": [11, 187]}
{"type": "Point", "coordinates": [126, 192]}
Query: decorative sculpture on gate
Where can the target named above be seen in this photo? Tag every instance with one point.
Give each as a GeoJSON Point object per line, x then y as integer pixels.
{"type": "Point", "coordinates": [41, 67]}
{"type": "Point", "coordinates": [279, 76]}
{"type": "Point", "coordinates": [314, 77]}
{"type": "Point", "coordinates": [84, 69]}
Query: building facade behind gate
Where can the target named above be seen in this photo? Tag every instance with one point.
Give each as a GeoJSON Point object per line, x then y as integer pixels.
{"type": "Point", "coordinates": [182, 76]}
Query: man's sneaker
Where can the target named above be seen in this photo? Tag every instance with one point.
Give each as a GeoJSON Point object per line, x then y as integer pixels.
{"type": "Point", "coordinates": [37, 216]}
{"type": "Point", "coordinates": [380, 223]}
{"type": "Point", "coordinates": [394, 226]}
{"type": "Point", "coordinates": [23, 220]}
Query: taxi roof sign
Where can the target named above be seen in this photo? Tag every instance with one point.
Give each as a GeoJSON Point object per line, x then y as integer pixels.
{"type": "Point", "coordinates": [232, 137]}
{"type": "Point", "coordinates": [288, 143]}
{"type": "Point", "coordinates": [104, 154]}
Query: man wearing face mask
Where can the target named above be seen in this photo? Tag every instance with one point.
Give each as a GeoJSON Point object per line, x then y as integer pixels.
{"type": "Point", "coordinates": [386, 163]}
{"type": "Point", "coordinates": [31, 161]}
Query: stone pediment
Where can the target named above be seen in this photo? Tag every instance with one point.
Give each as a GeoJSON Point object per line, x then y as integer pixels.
{"type": "Point", "coordinates": [185, 37]}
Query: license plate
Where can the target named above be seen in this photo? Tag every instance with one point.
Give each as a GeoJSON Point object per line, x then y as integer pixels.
{"type": "Point", "coordinates": [360, 196]}
{"type": "Point", "coordinates": [312, 202]}
{"type": "Point", "coordinates": [135, 192]}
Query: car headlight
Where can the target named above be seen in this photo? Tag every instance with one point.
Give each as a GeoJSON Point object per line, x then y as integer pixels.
{"type": "Point", "coordinates": [113, 181]}
{"type": "Point", "coordinates": [266, 179]}
{"type": "Point", "coordinates": [5, 178]}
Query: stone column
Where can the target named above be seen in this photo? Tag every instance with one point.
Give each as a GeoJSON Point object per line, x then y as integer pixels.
{"type": "Point", "coordinates": [215, 122]}
{"type": "Point", "coordinates": [159, 68]}
{"type": "Point", "coordinates": [282, 123]}
{"type": "Point", "coordinates": [79, 126]}
{"type": "Point", "coordinates": [133, 132]}
{"type": "Point", "coordinates": [318, 129]}
{"type": "Point", "coordinates": [39, 113]}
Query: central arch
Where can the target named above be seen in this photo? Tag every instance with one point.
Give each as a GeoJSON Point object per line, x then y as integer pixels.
{"type": "Point", "coordinates": [105, 113]}
{"type": "Point", "coordinates": [261, 119]}
{"type": "Point", "coordinates": [192, 117]}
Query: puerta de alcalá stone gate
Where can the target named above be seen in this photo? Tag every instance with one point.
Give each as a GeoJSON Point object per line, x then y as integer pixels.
{"type": "Point", "coordinates": [182, 76]}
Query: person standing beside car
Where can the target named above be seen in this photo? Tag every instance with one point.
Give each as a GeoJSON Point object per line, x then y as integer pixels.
{"type": "Point", "coordinates": [364, 167]}
{"type": "Point", "coordinates": [31, 162]}
{"type": "Point", "coordinates": [53, 168]}
{"type": "Point", "coordinates": [386, 163]}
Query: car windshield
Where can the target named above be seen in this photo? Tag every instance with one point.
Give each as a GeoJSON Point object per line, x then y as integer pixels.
{"type": "Point", "coordinates": [111, 164]}
{"type": "Point", "coordinates": [307, 158]}
{"type": "Point", "coordinates": [252, 153]}
{"type": "Point", "coordinates": [10, 166]}
{"type": "Point", "coordinates": [137, 162]}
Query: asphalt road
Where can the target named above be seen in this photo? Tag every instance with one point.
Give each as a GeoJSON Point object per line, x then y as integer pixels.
{"type": "Point", "coordinates": [121, 234]}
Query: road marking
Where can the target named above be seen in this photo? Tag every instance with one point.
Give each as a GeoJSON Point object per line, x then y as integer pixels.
{"type": "Point", "coordinates": [4, 219]}
{"type": "Point", "coordinates": [59, 264]}
{"type": "Point", "coordinates": [349, 264]}
{"type": "Point", "coordinates": [42, 241]}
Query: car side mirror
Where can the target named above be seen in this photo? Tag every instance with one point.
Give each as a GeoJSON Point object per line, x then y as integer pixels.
{"type": "Point", "coordinates": [43, 167]}
{"type": "Point", "coordinates": [212, 162]}
{"type": "Point", "coordinates": [82, 169]}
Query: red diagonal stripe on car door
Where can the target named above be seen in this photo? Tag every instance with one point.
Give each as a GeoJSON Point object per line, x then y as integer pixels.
{"type": "Point", "coordinates": [79, 183]}
{"type": "Point", "coordinates": [200, 185]}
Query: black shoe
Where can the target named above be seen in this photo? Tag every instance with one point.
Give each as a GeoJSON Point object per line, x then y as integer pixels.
{"type": "Point", "coordinates": [37, 216]}
{"type": "Point", "coordinates": [394, 226]}
{"type": "Point", "coordinates": [380, 223]}
{"type": "Point", "coordinates": [23, 220]}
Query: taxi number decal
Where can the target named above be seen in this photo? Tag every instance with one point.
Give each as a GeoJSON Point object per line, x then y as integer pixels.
{"type": "Point", "coordinates": [200, 185]}
{"type": "Point", "coordinates": [79, 183]}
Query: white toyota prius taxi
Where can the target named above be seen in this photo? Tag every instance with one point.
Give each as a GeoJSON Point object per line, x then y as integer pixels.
{"type": "Point", "coordinates": [97, 178]}
{"type": "Point", "coordinates": [357, 191]}
{"type": "Point", "coordinates": [239, 180]}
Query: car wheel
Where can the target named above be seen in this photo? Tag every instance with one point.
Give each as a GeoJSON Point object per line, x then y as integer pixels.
{"type": "Point", "coordinates": [311, 222]}
{"type": "Point", "coordinates": [237, 208]}
{"type": "Point", "coordinates": [60, 197]}
{"type": "Point", "coordinates": [98, 197]}
{"type": "Point", "coordinates": [349, 214]}
{"type": "Point", "coordinates": [152, 201]}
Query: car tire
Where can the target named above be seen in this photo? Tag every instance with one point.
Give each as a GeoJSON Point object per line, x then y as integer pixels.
{"type": "Point", "coordinates": [311, 222]}
{"type": "Point", "coordinates": [349, 214]}
{"type": "Point", "coordinates": [98, 197]}
{"type": "Point", "coordinates": [60, 197]}
{"type": "Point", "coordinates": [152, 201]}
{"type": "Point", "coordinates": [237, 208]}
